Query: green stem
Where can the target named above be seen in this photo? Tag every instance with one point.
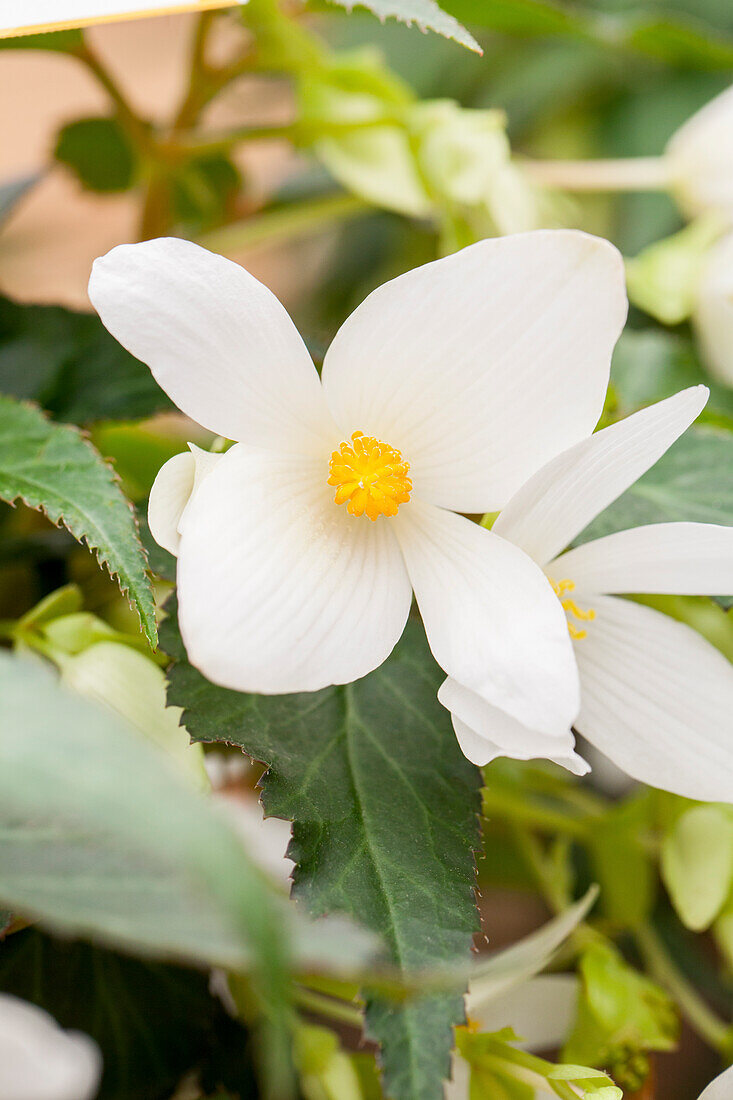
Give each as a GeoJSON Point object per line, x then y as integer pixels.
{"type": "Point", "coordinates": [699, 1015]}
{"type": "Point", "coordinates": [137, 128]}
{"type": "Point", "coordinates": [328, 1007]}
{"type": "Point", "coordinates": [286, 222]}
{"type": "Point", "coordinates": [633, 174]}
{"type": "Point", "coordinates": [530, 813]}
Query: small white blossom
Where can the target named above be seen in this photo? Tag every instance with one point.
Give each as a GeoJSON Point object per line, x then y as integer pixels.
{"type": "Point", "coordinates": [656, 697]}
{"type": "Point", "coordinates": [40, 1061]}
{"type": "Point", "coordinates": [300, 547]}
{"type": "Point", "coordinates": [700, 159]}
{"type": "Point", "coordinates": [713, 312]}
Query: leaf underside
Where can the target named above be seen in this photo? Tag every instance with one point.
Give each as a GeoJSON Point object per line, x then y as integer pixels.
{"type": "Point", "coordinates": [426, 14]}
{"type": "Point", "coordinates": [385, 811]}
{"type": "Point", "coordinates": [52, 468]}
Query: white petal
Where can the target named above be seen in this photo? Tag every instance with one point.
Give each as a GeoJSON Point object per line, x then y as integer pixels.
{"type": "Point", "coordinates": [172, 489]}
{"type": "Point", "coordinates": [721, 1088]}
{"type": "Point", "coordinates": [483, 365]}
{"type": "Point", "coordinates": [562, 498]}
{"type": "Point", "coordinates": [485, 733]}
{"type": "Point", "coordinates": [492, 620]}
{"type": "Point", "coordinates": [701, 158]}
{"type": "Point", "coordinates": [40, 1061]}
{"type": "Point", "coordinates": [713, 316]}
{"type": "Point", "coordinates": [217, 341]}
{"type": "Point", "coordinates": [657, 699]}
{"type": "Point", "coordinates": [541, 1011]}
{"type": "Point", "coordinates": [280, 590]}
{"type": "Point", "coordinates": [693, 559]}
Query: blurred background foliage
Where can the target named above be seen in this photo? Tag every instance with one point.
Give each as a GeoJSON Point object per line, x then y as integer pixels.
{"type": "Point", "coordinates": [222, 128]}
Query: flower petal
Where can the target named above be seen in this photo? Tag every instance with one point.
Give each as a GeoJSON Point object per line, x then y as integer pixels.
{"type": "Point", "coordinates": [491, 617]}
{"type": "Point", "coordinates": [172, 489]}
{"type": "Point", "coordinates": [713, 316]}
{"type": "Point", "coordinates": [657, 699]}
{"type": "Point", "coordinates": [279, 589]}
{"type": "Point", "coordinates": [483, 365]}
{"type": "Point", "coordinates": [563, 497]}
{"type": "Point", "coordinates": [721, 1088]}
{"type": "Point", "coordinates": [693, 559]}
{"type": "Point", "coordinates": [217, 341]}
{"type": "Point", "coordinates": [485, 733]}
{"type": "Point", "coordinates": [541, 1011]}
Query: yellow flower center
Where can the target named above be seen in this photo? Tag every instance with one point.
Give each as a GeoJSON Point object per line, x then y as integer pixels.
{"type": "Point", "coordinates": [571, 609]}
{"type": "Point", "coordinates": [370, 477]}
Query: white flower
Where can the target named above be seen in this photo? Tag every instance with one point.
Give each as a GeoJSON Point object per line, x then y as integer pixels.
{"type": "Point", "coordinates": [40, 1061]}
{"type": "Point", "coordinates": [656, 698]}
{"type": "Point", "coordinates": [301, 546]}
{"type": "Point", "coordinates": [719, 1089]}
{"type": "Point", "coordinates": [713, 312]}
{"type": "Point", "coordinates": [700, 159]}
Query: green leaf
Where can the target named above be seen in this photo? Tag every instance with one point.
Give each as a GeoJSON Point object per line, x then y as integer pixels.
{"type": "Point", "coordinates": [425, 13]}
{"type": "Point", "coordinates": [697, 864]}
{"type": "Point", "coordinates": [621, 1014]}
{"type": "Point", "coordinates": [153, 1022]}
{"type": "Point", "coordinates": [664, 36]}
{"type": "Point", "coordinates": [692, 482]}
{"type": "Point", "coordinates": [99, 152]}
{"type": "Point", "coordinates": [649, 365]}
{"type": "Point", "coordinates": [203, 189]}
{"type": "Point", "coordinates": [385, 810]}
{"type": "Point", "coordinates": [67, 41]}
{"type": "Point", "coordinates": [70, 364]}
{"type": "Point", "coordinates": [621, 864]}
{"type": "Point", "coordinates": [100, 831]}
{"type": "Point", "coordinates": [51, 467]}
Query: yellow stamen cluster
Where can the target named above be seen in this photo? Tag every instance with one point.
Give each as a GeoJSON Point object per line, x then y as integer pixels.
{"type": "Point", "coordinates": [370, 477]}
{"type": "Point", "coordinates": [571, 608]}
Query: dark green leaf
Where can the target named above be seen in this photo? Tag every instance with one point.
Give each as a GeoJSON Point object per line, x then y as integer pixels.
{"type": "Point", "coordinates": [385, 807]}
{"type": "Point", "coordinates": [153, 1022]}
{"type": "Point", "coordinates": [202, 191]}
{"type": "Point", "coordinates": [426, 14]}
{"type": "Point", "coordinates": [70, 364]}
{"type": "Point", "coordinates": [99, 152]}
{"type": "Point", "coordinates": [51, 467]}
{"type": "Point", "coordinates": [651, 365]}
{"type": "Point", "coordinates": [692, 482]}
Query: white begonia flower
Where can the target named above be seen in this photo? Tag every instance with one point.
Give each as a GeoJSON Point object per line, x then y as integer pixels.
{"type": "Point", "coordinates": [713, 313]}
{"type": "Point", "coordinates": [39, 1060]}
{"type": "Point", "coordinates": [721, 1088]}
{"type": "Point", "coordinates": [699, 158]}
{"type": "Point", "coordinates": [301, 546]}
{"type": "Point", "coordinates": [656, 697]}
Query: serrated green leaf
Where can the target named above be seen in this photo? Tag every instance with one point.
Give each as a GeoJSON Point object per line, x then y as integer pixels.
{"type": "Point", "coordinates": [426, 14]}
{"type": "Point", "coordinates": [51, 467]}
{"type": "Point", "coordinates": [70, 364]}
{"type": "Point", "coordinates": [692, 482]}
{"type": "Point", "coordinates": [99, 153]}
{"type": "Point", "coordinates": [697, 864]}
{"type": "Point", "coordinates": [385, 811]}
{"type": "Point", "coordinates": [153, 1022]}
{"type": "Point", "coordinates": [665, 36]}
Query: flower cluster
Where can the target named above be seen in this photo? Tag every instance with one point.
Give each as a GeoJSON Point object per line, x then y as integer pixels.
{"type": "Point", "coordinates": [484, 375]}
